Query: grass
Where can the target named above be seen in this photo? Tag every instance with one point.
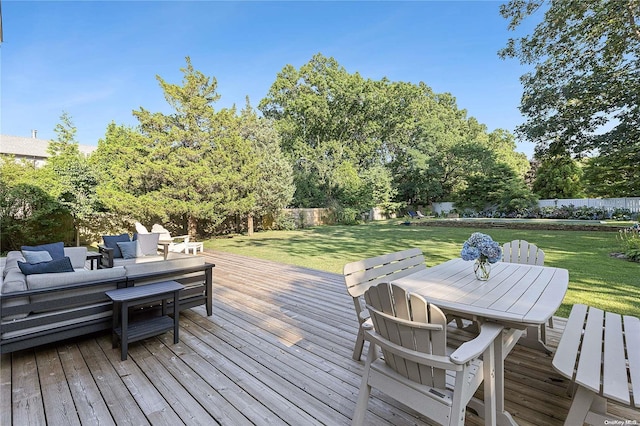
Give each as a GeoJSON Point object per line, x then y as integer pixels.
{"type": "Point", "coordinates": [596, 278]}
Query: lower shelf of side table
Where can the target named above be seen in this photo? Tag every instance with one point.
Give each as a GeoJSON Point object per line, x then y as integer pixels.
{"type": "Point", "coordinates": [144, 329]}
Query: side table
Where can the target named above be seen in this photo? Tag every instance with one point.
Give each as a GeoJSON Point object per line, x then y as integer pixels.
{"type": "Point", "coordinates": [94, 257]}
{"type": "Point", "coordinates": [123, 298]}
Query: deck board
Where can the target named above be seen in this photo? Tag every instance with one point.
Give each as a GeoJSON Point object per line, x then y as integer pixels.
{"type": "Point", "coordinates": [276, 351]}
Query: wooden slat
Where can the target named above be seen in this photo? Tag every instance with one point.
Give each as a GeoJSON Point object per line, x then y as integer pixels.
{"type": "Point", "coordinates": [27, 405]}
{"type": "Point", "coordinates": [590, 366]}
{"type": "Point", "coordinates": [614, 372]}
{"type": "Point", "coordinates": [632, 339]}
{"type": "Point", "coordinates": [123, 408]}
{"type": "Point", "coordinates": [57, 398]}
{"type": "Point", "coordinates": [567, 352]}
{"type": "Point", "coordinates": [5, 389]}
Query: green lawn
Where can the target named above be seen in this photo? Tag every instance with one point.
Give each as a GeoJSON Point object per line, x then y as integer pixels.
{"type": "Point", "coordinates": [595, 278]}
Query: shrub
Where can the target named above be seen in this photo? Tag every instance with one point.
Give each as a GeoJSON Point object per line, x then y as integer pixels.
{"type": "Point", "coordinates": [347, 216]}
{"type": "Point", "coordinates": [284, 222]}
{"type": "Point", "coordinates": [29, 216]}
{"type": "Point", "coordinates": [630, 241]}
{"type": "Point", "coordinates": [621, 214]}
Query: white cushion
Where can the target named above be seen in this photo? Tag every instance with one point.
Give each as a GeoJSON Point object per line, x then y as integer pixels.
{"type": "Point", "coordinates": [78, 256]}
{"type": "Point", "coordinates": [148, 243]}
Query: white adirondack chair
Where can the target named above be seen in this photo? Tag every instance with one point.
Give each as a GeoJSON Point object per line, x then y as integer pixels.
{"type": "Point", "coordinates": [416, 369]}
{"type": "Point", "coordinates": [521, 251]}
{"type": "Point", "coordinates": [141, 229]}
{"type": "Point", "coordinates": [360, 275]}
{"type": "Point", "coordinates": [165, 236]}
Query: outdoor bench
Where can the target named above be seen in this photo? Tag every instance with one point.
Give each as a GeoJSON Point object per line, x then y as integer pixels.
{"type": "Point", "coordinates": [600, 352]}
{"type": "Point", "coordinates": [38, 316]}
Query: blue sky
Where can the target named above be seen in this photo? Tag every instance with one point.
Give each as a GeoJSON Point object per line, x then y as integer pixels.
{"type": "Point", "coordinates": [98, 60]}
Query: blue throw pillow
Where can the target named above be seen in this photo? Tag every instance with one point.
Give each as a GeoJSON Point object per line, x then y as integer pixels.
{"type": "Point", "coordinates": [36, 256]}
{"type": "Point", "coordinates": [111, 241]}
{"type": "Point", "coordinates": [130, 249]}
{"type": "Point", "coordinates": [56, 250]}
{"type": "Point", "coordinates": [51, 267]}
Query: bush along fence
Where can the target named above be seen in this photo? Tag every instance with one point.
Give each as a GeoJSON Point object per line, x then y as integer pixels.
{"type": "Point", "coordinates": [571, 208]}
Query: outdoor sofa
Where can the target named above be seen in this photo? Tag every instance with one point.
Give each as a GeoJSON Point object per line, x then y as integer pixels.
{"type": "Point", "coordinates": [48, 307]}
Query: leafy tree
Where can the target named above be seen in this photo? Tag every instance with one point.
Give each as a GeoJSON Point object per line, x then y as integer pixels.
{"type": "Point", "coordinates": [30, 216]}
{"type": "Point", "coordinates": [583, 93]}
{"type": "Point", "coordinates": [273, 189]}
{"type": "Point", "coordinates": [337, 126]}
{"type": "Point", "coordinates": [69, 176]}
{"type": "Point", "coordinates": [558, 177]}
{"type": "Point", "coordinates": [192, 167]}
{"type": "Point", "coordinates": [499, 190]}
{"type": "Point", "coordinates": [614, 175]}
{"type": "Point", "coordinates": [327, 120]}
{"type": "Point", "coordinates": [120, 164]}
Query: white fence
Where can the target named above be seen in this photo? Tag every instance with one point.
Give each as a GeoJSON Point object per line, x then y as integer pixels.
{"type": "Point", "coordinates": [610, 204]}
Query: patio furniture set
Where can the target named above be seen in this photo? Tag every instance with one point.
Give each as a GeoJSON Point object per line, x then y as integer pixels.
{"type": "Point", "coordinates": [403, 309]}
{"type": "Point", "coordinates": [51, 292]}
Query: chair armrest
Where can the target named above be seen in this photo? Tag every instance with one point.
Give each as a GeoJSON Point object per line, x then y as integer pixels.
{"type": "Point", "coordinates": [437, 361]}
{"type": "Point", "coordinates": [474, 348]}
{"type": "Point", "coordinates": [181, 237]}
{"type": "Point", "coordinates": [106, 261]}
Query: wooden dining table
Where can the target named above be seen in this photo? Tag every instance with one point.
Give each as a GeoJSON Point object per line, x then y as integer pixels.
{"type": "Point", "coordinates": [516, 296]}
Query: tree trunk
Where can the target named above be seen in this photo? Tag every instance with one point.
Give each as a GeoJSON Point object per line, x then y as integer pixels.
{"type": "Point", "coordinates": [192, 226]}
{"type": "Point", "coordinates": [250, 224]}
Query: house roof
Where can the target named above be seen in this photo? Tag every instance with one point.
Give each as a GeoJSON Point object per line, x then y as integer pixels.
{"type": "Point", "coordinates": [31, 147]}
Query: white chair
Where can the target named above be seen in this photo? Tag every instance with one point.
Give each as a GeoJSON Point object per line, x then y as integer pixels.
{"type": "Point", "coordinates": [141, 229]}
{"type": "Point", "coordinates": [360, 275]}
{"type": "Point", "coordinates": [521, 251]}
{"type": "Point", "coordinates": [415, 368]}
{"type": "Point", "coordinates": [165, 237]}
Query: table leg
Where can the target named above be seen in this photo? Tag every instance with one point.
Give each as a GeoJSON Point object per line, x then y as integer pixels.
{"type": "Point", "coordinates": [532, 340]}
{"type": "Point", "coordinates": [124, 340]}
{"type": "Point", "coordinates": [176, 317]}
{"type": "Point", "coordinates": [114, 324]}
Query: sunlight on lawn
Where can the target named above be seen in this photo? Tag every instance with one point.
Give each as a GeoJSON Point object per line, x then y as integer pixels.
{"type": "Point", "coordinates": [596, 278]}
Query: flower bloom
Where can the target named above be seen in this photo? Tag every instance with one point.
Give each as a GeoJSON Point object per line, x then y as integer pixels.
{"type": "Point", "coordinates": [481, 246]}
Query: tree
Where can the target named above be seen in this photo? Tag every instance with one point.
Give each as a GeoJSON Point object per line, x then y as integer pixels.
{"type": "Point", "coordinates": [499, 190]}
{"type": "Point", "coordinates": [28, 214]}
{"type": "Point", "coordinates": [614, 175]}
{"type": "Point", "coordinates": [274, 187]}
{"type": "Point", "coordinates": [327, 121]}
{"type": "Point", "coordinates": [558, 177]}
{"type": "Point", "coordinates": [199, 167]}
{"type": "Point", "coordinates": [337, 127]}
{"type": "Point", "coordinates": [584, 91]}
{"type": "Point", "coordinates": [190, 169]}
{"type": "Point", "coordinates": [69, 176]}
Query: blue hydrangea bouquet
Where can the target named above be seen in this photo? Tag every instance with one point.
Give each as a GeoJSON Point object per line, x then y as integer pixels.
{"type": "Point", "coordinates": [481, 248]}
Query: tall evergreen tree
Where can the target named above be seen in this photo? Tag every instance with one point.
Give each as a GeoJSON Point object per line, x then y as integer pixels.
{"type": "Point", "coordinates": [69, 176]}
{"type": "Point", "coordinates": [198, 167]}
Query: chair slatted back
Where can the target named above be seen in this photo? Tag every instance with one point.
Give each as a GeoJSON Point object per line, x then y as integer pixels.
{"type": "Point", "coordinates": [360, 275]}
{"type": "Point", "coordinates": [411, 322]}
{"type": "Point", "coordinates": [523, 252]}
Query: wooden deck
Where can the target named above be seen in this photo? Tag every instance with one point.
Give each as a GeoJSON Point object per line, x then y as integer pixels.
{"type": "Point", "coordinates": [277, 350]}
